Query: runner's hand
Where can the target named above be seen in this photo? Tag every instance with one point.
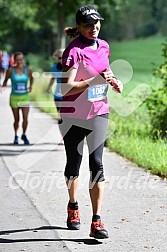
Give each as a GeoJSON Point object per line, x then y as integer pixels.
{"type": "Point", "coordinates": [117, 85]}
{"type": "Point", "coordinates": [107, 75]}
{"type": "Point", "coordinates": [30, 89]}
{"type": "Point", "coordinates": [48, 90]}
{"type": "Point", "coordinates": [2, 89]}
{"type": "Point", "coordinates": [112, 80]}
{"type": "Point", "coordinates": [104, 77]}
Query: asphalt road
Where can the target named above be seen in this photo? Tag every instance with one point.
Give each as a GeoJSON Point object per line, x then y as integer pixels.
{"type": "Point", "coordinates": [33, 196]}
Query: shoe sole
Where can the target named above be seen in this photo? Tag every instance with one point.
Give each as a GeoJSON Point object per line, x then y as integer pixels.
{"type": "Point", "coordinates": [60, 144]}
{"type": "Point", "coordinates": [25, 143]}
{"type": "Point", "coordinates": [99, 236]}
{"type": "Point", "coordinates": [73, 228]}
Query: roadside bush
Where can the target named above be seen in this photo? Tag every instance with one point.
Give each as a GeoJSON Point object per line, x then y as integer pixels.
{"type": "Point", "coordinates": [157, 102]}
{"type": "Point", "coordinates": [40, 63]}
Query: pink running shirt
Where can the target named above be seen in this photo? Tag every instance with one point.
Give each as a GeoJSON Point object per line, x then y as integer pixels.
{"type": "Point", "coordinates": [89, 63]}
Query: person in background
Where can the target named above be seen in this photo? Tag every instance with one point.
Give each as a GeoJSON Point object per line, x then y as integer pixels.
{"type": "Point", "coordinates": [86, 77]}
{"type": "Point", "coordinates": [56, 76]}
{"type": "Point", "coordinates": [11, 61]}
{"type": "Point", "coordinates": [1, 69]}
{"type": "Point", "coordinates": [5, 61]}
{"type": "Point", "coordinates": [19, 97]}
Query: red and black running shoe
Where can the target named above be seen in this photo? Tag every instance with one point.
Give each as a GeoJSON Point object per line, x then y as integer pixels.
{"type": "Point", "coordinates": [73, 219]}
{"type": "Point", "coordinates": [98, 231]}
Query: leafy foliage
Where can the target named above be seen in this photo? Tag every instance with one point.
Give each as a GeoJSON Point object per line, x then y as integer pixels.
{"type": "Point", "coordinates": [17, 15]}
{"type": "Point", "coordinates": [157, 102]}
{"type": "Point", "coordinates": [37, 26]}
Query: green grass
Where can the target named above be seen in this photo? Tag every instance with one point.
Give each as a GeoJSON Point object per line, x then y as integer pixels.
{"type": "Point", "coordinates": [132, 138]}
{"type": "Point", "coordinates": [143, 55]}
{"type": "Point", "coordinates": [42, 99]}
{"type": "Point", "coordinates": [142, 151]}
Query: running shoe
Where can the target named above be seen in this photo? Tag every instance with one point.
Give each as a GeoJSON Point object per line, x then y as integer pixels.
{"type": "Point", "coordinates": [24, 138]}
{"type": "Point", "coordinates": [16, 140]}
{"type": "Point", "coordinates": [73, 219]}
{"type": "Point", "coordinates": [98, 231]}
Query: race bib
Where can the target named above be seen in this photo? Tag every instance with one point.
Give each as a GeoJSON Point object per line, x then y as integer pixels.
{"type": "Point", "coordinates": [97, 93]}
{"type": "Point", "coordinates": [20, 88]}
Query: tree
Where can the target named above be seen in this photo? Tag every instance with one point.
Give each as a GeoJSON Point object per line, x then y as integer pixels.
{"type": "Point", "coordinates": [16, 16]}
{"type": "Point", "coordinates": [37, 25]}
{"type": "Point", "coordinates": [60, 13]}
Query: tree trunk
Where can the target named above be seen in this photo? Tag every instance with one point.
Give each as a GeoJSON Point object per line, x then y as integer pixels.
{"type": "Point", "coordinates": [61, 19]}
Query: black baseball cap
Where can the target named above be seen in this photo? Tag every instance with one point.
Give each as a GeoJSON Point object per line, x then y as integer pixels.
{"type": "Point", "coordinates": [86, 14]}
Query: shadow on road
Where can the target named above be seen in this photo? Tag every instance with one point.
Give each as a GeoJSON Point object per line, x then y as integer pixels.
{"type": "Point", "coordinates": [32, 144]}
{"type": "Point", "coordinates": [86, 241]}
{"type": "Point", "coordinates": [6, 150]}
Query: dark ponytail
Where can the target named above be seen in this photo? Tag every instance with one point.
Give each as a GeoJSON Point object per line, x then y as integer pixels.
{"type": "Point", "coordinates": [71, 32]}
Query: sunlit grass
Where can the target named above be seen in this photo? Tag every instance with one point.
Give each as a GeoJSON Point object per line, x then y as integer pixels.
{"type": "Point", "coordinates": [42, 99]}
{"type": "Point", "coordinates": [142, 151]}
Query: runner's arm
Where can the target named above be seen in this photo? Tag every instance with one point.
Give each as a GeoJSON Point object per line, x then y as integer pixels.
{"type": "Point", "coordinates": [31, 79]}
{"type": "Point", "coordinates": [69, 86]}
{"type": "Point", "coordinates": [50, 84]}
{"type": "Point", "coordinates": [7, 76]}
